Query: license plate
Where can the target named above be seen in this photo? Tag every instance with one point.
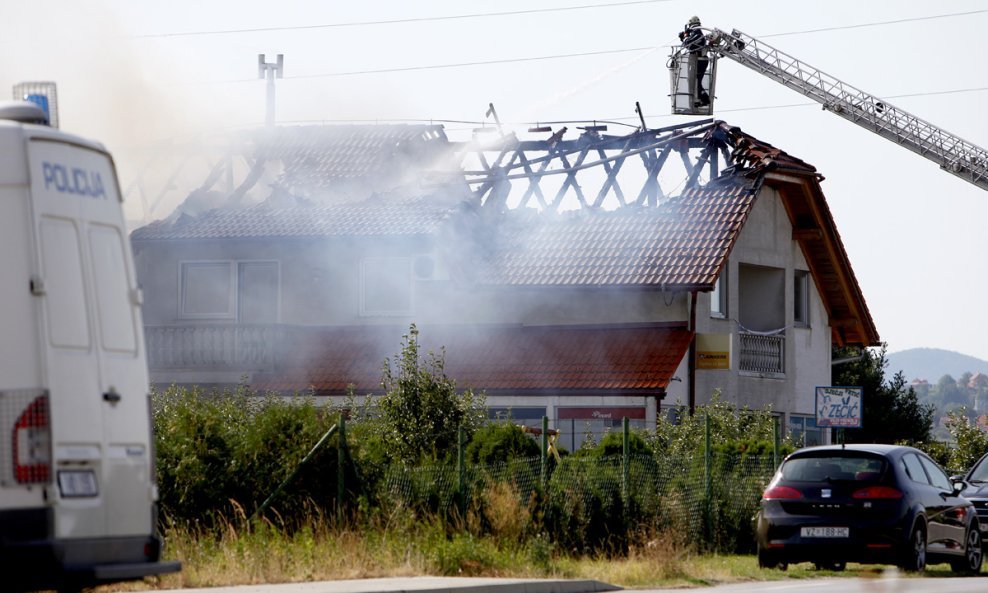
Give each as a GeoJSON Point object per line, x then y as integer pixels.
{"type": "Point", "coordinates": [825, 532]}
{"type": "Point", "coordinates": [77, 483]}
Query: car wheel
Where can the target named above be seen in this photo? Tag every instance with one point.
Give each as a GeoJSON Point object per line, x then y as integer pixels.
{"type": "Point", "coordinates": [973, 554]}
{"type": "Point", "coordinates": [914, 554]}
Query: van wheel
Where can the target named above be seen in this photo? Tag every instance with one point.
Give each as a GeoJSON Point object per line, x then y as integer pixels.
{"type": "Point", "coordinates": [914, 554]}
{"type": "Point", "coordinates": [973, 554]}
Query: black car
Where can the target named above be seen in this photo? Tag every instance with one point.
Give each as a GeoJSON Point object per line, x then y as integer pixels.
{"type": "Point", "coordinates": [976, 490]}
{"type": "Point", "coordinates": [880, 504]}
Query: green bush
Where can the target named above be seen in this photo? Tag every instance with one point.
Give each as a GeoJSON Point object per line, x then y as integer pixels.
{"type": "Point", "coordinates": [500, 442]}
{"type": "Point", "coordinates": [225, 452]}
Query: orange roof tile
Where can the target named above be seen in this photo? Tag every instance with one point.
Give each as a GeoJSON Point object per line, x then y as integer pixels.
{"type": "Point", "coordinates": [639, 359]}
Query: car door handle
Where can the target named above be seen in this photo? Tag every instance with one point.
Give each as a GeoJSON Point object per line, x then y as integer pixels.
{"type": "Point", "coordinates": [111, 396]}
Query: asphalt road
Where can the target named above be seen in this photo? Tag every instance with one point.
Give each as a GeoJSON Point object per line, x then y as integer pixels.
{"type": "Point", "coordinates": [879, 584]}
{"type": "Point", "coordinates": [888, 583]}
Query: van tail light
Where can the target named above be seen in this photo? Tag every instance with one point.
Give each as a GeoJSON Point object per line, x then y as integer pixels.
{"type": "Point", "coordinates": [782, 493]}
{"type": "Point", "coordinates": [31, 443]}
{"type": "Point", "coordinates": [877, 493]}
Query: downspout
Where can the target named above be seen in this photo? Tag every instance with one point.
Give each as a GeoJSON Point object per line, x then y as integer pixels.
{"type": "Point", "coordinates": [691, 363]}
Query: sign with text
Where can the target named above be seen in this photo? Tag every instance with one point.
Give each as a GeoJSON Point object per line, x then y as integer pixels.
{"type": "Point", "coordinates": [838, 407]}
{"type": "Point", "coordinates": [713, 351]}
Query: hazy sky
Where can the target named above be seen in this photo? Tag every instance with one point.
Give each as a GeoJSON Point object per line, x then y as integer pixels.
{"type": "Point", "coordinates": [136, 74]}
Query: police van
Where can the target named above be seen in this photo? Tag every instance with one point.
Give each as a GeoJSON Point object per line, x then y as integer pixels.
{"type": "Point", "coordinates": [77, 484]}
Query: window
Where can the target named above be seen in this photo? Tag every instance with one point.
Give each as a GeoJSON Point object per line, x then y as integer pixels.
{"type": "Point", "coordinates": [386, 286]}
{"type": "Point", "coordinates": [937, 477]}
{"type": "Point", "coordinates": [116, 312]}
{"type": "Point", "coordinates": [915, 469]}
{"type": "Point", "coordinates": [718, 297]}
{"type": "Point", "coordinates": [65, 293]}
{"type": "Point", "coordinates": [804, 430]}
{"type": "Point", "coordinates": [801, 298]}
{"type": "Point", "coordinates": [244, 291]}
{"type": "Point", "coordinates": [207, 290]}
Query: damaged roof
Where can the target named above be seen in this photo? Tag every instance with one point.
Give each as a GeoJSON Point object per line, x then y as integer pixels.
{"type": "Point", "coordinates": [372, 217]}
{"type": "Point", "coordinates": [682, 243]}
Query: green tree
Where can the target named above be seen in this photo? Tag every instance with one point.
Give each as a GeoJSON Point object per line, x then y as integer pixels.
{"type": "Point", "coordinates": [970, 439]}
{"type": "Point", "coordinates": [891, 411]}
{"type": "Point", "coordinates": [421, 412]}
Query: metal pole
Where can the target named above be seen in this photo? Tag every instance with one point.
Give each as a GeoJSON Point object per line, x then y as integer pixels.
{"type": "Point", "coordinates": [625, 471]}
{"type": "Point", "coordinates": [545, 451]}
{"type": "Point", "coordinates": [461, 464]}
{"type": "Point", "coordinates": [295, 471]}
{"type": "Point", "coordinates": [340, 468]}
{"type": "Point", "coordinates": [707, 474]}
{"type": "Point", "coordinates": [270, 71]}
{"type": "Point", "coordinates": [776, 438]}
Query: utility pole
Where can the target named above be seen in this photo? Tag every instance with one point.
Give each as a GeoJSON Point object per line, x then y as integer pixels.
{"type": "Point", "coordinates": [269, 71]}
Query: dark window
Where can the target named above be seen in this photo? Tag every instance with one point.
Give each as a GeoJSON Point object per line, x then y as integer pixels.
{"type": "Point", "coordinates": [914, 468]}
{"type": "Point", "coordinates": [939, 479]}
{"type": "Point", "coordinates": [801, 298]}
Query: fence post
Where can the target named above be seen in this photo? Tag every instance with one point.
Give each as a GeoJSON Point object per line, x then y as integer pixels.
{"type": "Point", "coordinates": [462, 467]}
{"type": "Point", "coordinates": [775, 444]}
{"type": "Point", "coordinates": [340, 468]}
{"type": "Point", "coordinates": [544, 455]}
{"type": "Point", "coordinates": [707, 478]}
{"type": "Point", "coordinates": [625, 468]}
{"type": "Point", "coordinates": [707, 459]}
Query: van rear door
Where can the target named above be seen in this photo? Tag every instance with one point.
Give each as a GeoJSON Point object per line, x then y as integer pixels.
{"type": "Point", "coordinates": [95, 366]}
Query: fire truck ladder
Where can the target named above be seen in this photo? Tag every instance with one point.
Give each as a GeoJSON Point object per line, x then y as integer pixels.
{"type": "Point", "coordinates": [955, 155]}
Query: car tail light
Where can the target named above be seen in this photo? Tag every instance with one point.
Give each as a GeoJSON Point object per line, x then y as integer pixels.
{"type": "Point", "coordinates": [781, 493]}
{"type": "Point", "coordinates": [877, 492]}
{"type": "Point", "coordinates": [31, 443]}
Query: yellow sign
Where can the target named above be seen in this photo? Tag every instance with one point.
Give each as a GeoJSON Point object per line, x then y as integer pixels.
{"type": "Point", "coordinates": [713, 351]}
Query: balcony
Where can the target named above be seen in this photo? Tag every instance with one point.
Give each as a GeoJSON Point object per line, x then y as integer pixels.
{"type": "Point", "coordinates": [212, 347]}
{"type": "Point", "coordinates": [763, 354]}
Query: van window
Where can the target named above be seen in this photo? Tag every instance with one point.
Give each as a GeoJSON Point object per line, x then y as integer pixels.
{"type": "Point", "coordinates": [65, 296]}
{"type": "Point", "coordinates": [116, 313]}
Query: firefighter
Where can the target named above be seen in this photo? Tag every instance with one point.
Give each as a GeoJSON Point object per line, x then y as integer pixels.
{"type": "Point", "coordinates": [695, 42]}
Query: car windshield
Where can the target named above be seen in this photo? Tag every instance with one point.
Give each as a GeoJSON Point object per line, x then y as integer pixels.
{"type": "Point", "coordinates": [823, 468]}
{"type": "Point", "coordinates": [979, 473]}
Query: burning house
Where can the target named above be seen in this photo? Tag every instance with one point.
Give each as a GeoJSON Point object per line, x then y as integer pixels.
{"type": "Point", "coordinates": [619, 306]}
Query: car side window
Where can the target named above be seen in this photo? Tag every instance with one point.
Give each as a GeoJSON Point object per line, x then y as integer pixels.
{"type": "Point", "coordinates": [939, 479]}
{"type": "Point", "coordinates": [914, 468]}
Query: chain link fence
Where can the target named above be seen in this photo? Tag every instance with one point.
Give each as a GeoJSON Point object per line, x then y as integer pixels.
{"type": "Point", "coordinates": [593, 503]}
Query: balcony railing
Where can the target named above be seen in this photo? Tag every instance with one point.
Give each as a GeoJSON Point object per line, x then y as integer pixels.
{"type": "Point", "coordinates": [763, 353]}
{"type": "Point", "coordinates": [212, 347]}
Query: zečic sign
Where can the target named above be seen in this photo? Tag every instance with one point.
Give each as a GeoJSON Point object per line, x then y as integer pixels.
{"type": "Point", "coordinates": [838, 407]}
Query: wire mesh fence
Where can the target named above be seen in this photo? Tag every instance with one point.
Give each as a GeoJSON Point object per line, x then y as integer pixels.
{"type": "Point", "coordinates": [593, 502]}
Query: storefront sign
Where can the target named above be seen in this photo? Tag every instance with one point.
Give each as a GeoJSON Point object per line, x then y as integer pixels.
{"type": "Point", "coordinates": [838, 407]}
{"type": "Point", "coordinates": [713, 351]}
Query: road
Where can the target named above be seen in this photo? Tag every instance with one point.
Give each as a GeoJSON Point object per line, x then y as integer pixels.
{"type": "Point", "coordinates": [880, 584]}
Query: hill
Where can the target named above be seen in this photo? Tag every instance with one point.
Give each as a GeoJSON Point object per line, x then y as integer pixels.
{"type": "Point", "coordinates": [933, 363]}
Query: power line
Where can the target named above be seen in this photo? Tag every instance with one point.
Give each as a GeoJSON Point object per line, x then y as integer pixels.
{"type": "Point", "coordinates": [441, 66]}
{"type": "Point", "coordinates": [877, 23]}
{"type": "Point", "coordinates": [397, 21]}
{"type": "Point", "coordinates": [577, 54]}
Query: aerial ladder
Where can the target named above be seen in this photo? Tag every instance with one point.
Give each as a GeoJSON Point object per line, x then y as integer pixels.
{"type": "Point", "coordinates": [954, 155]}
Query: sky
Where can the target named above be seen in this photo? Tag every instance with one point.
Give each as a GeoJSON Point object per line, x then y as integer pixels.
{"type": "Point", "coordinates": [140, 75]}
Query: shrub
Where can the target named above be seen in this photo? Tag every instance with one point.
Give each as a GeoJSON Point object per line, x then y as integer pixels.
{"type": "Point", "coordinates": [500, 442]}
{"type": "Point", "coordinates": [421, 413]}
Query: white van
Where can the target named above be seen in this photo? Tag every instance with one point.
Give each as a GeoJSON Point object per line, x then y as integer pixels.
{"type": "Point", "coordinates": [77, 486]}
